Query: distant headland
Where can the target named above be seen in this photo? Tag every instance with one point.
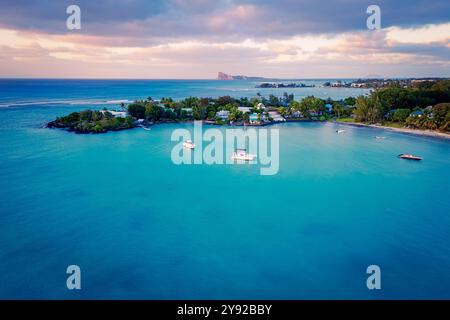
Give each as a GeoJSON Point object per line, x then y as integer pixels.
{"type": "Point", "coordinates": [227, 77]}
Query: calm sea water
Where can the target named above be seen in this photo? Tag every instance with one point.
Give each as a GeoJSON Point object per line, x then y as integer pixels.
{"type": "Point", "coordinates": [43, 92]}
{"type": "Point", "coordinates": [141, 227]}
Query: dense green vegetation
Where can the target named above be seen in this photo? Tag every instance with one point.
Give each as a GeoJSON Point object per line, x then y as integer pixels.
{"type": "Point", "coordinates": [88, 121]}
{"type": "Point", "coordinates": [437, 118]}
{"type": "Point", "coordinates": [191, 108]}
{"type": "Point", "coordinates": [424, 106]}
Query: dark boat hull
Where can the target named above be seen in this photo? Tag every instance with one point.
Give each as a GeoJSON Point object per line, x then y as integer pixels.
{"type": "Point", "coordinates": [409, 157]}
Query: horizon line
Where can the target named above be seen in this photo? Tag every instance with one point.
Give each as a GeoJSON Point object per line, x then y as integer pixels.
{"type": "Point", "coordinates": [211, 79]}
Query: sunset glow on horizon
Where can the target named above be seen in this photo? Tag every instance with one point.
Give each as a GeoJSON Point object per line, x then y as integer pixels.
{"type": "Point", "coordinates": [196, 39]}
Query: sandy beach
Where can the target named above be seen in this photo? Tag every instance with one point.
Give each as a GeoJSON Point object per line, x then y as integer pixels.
{"type": "Point", "coordinates": [427, 133]}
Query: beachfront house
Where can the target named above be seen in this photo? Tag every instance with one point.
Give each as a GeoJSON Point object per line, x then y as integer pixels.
{"type": "Point", "coordinates": [257, 118]}
{"type": "Point", "coordinates": [297, 114]}
{"type": "Point", "coordinates": [244, 109]}
{"type": "Point", "coordinates": [276, 116]}
{"type": "Point", "coordinates": [329, 107]}
{"type": "Point", "coordinates": [223, 114]}
{"type": "Point", "coordinates": [254, 118]}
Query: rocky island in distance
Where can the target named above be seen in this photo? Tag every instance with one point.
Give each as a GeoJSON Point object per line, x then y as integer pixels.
{"type": "Point", "coordinates": [227, 77]}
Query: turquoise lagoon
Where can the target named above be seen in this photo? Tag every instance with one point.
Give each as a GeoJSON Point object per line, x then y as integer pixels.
{"type": "Point", "coordinates": [141, 227]}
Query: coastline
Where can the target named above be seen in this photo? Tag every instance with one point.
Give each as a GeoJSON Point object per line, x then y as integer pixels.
{"type": "Point", "coordinates": [416, 132]}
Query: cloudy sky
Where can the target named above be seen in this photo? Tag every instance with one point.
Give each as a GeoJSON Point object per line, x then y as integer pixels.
{"type": "Point", "coordinates": [198, 38]}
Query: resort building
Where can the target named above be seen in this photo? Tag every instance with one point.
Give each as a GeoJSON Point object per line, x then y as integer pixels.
{"type": "Point", "coordinates": [276, 116]}
{"type": "Point", "coordinates": [223, 114]}
{"type": "Point", "coordinates": [244, 109]}
{"type": "Point", "coordinates": [297, 114]}
{"type": "Point", "coordinates": [254, 118]}
{"type": "Point", "coordinates": [257, 118]}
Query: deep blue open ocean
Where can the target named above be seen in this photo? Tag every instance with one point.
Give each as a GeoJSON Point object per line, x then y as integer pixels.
{"type": "Point", "coordinates": [142, 227]}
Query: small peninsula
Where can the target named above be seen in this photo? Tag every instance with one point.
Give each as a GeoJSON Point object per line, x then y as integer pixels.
{"type": "Point", "coordinates": [88, 121]}
{"type": "Point", "coordinates": [422, 106]}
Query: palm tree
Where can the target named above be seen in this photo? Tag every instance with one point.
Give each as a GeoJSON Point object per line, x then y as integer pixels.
{"type": "Point", "coordinates": [338, 108]}
{"type": "Point", "coordinates": [362, 109]}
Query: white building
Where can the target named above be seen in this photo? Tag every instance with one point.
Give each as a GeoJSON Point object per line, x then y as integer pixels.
{"type": "Point", "coordinates": [244, 109]}
{"type": "Point", "coordinates": [256, 118]}
{"type": "Point", "coordinates": [223, 114]}
{"type": "Point", "coordinates": [276, 116]}
{"type": "Point", "coordinates": [297, 114]}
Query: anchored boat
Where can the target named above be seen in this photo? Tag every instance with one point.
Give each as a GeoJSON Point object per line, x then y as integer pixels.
{"type": "Point", "coordinates": [409, 156]}
{"type": "Point", "coordinates": [241, 154]}
{"type": "Point", "coordinates": [189, 144]}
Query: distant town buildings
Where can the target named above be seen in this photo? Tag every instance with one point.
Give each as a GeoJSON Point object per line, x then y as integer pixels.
{"type": "Point", "coordinates": [379, 83]}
